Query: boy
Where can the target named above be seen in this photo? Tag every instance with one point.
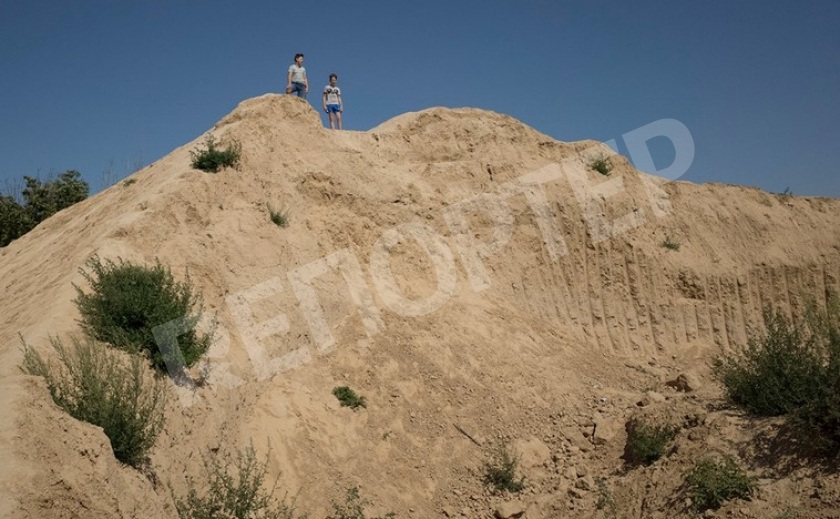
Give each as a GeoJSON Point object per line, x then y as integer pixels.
{"type": "Point", "coordinates": [296, 82]}
{"type": "Point", "coordinates": [333, 104]}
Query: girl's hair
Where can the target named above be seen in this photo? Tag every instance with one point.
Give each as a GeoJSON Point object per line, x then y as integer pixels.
{"type": "Point", "coordinates": [333, 75]}
{"type": "Point", "coordinates": [298, 55]}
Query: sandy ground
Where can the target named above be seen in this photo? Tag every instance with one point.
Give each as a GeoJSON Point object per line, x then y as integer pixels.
{"type": "Point", "coordinates": [471, 277]}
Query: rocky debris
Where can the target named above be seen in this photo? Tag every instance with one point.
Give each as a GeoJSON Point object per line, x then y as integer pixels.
{"type": "Point", "coordinates": [577, 439]}
{"type": "Point", "coordinates": [685, 382]}
{"type": "Point", "coordinates": [510, 510]}
{"type": "Point", "coordinates": [586, 482]}
{"type": "Point", "coordinates": [534, 453]}
{"type": "Point", "coordinates": [604, 430]}
{"type": "Point", "coordinates": [651, 398]}
{"type": "Point", "coordinates": [577, 493]}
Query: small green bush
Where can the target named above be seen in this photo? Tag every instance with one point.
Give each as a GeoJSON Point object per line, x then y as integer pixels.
{"type": "Point", "coordinates": [349, 398]}
{"type": "Point", "coordinates": [647, 443]}
{"type": "Point", "coordinates": [601, 165]}
{"type": "Point", "coordinates": [605, 501]}
{"type": "Point", "coordinates": [775, 374]}
{"type": "Point", "coordinates": [501, 467]}
{"type": "Point", "coordinates": [211, 158]}
{"type": "Point", "coordinates": [95, 385]}
{"type": "Point", "coordinates": [821, 414]}
{"type": "Point", "coordinates": [712, 482]}
{"type": "Point", "coordinates": [131, 303]}
{"type": "Point", "coordinates": [280, 217]}
{"type": "Point", "coordinates": [354, 507]}
{"type": "Point", "coordinates": [233, 490]}
{"type": "Point", "coordinates": [671, 244]}
{"type": "Point", "coordinates": [793, 369]}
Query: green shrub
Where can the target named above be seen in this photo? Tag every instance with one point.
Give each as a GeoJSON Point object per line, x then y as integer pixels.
{"type": "Point", "coordinates": [647, 443]}
{"type": "Point", "coordinates": [96, 385]}
{"type": "Point", "coordinates": [280, 217]}
{"type": "Point", "coordinates": [711, 482]}
{"type": "Point", "coordinates": [501, 467]}
{"type": "Point", "coordinates": [605, 501]}
{"type": "Point", "coordinates": [601, 165]}
{"type": "Point", "coordinates": [821, 414]}
{"type": "Point", "coordinates": [131, 304]}
{"type": "Point", "coordinates": [777, 373]}
{"type": "Point", "coordinates": [349, 398]}
{"type": "Point", "coordinates": [233, 490]}
{"type": "Point", "coordinates": [354, 507]}
{"type": "Point", "coordinates": [671, 244]}
{"type": "Point", "coordinates": [211, 158]}
{"type": "Point", "coordinates": [792, 370]}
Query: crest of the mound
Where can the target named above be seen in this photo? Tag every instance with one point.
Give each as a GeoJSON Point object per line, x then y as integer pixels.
{"type": "Point", "coordinates": [283, 110]}
{"type": "Point", "coordinates": [275, 110]}
{"type": "Point", "coordinates": [437, 134]}
{"type": "Point", "coordinates": [446, 122]}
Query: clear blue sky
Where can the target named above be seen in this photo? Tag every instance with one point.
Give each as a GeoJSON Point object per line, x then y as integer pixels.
{"type": "Point", "coordinates": [107, 86]}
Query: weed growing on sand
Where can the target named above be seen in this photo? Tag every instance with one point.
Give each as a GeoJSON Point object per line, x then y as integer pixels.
{"type": "Point", "coordinates": [133, 307]}
{"type": "Point", "coordinates": [605, 500]}
{"type": "Point", "coordinates": [233, 489]}
{"type": "Point", "coordinates": [601, 165]}
{"type": "Point", "coordinates": [101, 387]}
{"type": "Point", "coordinates": [647, 443]}
{"type": "Point", "coordinates": [212, 158]}
{"type": "Point", "coordinates": [712, 482]}
{"type": "Point", "coordinates": [670, 243]}
{"type": "Point", "coordinates": [280, 217]}
{"type": "Point", "coordinates": [792, 369]}
{"type": "Point", "coordinates": [354, 507]}
{"type": "Point", "coordinates": [500, 469]}
{"type": "Point", "coordinates": [349, 398]}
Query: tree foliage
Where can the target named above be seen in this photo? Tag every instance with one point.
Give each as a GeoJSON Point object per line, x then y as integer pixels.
{"type": "Point", "coordinates": [39, 201]}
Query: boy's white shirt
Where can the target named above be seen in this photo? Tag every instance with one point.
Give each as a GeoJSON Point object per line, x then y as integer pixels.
{"type": "Point", "coordinates": [333, 97]}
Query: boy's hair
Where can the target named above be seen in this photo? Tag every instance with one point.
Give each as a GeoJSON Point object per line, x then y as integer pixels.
{"type": "Point", "coordinates": [298, 55]}
{"type": "Point", "coordinates": [333, 75]}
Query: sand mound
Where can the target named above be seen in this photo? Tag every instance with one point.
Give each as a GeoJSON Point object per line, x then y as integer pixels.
{"type": "Point", "coordinates": [473, 278]}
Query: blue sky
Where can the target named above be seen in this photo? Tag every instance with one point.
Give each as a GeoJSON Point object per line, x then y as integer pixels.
{"type": "Point", "coordinates": [108, 86]}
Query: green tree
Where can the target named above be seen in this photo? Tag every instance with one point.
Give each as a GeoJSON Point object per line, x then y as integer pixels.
{"type": "Point", "coordinates": [40, 200]}
{"type": "Point", "coordinates": [44, 199]}
{"type": "Point", "coordinates": [14, 221]}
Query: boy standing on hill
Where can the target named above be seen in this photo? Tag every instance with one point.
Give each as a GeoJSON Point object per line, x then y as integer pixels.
{"type": "Point", "coordinates": [296, 82]}
{"type": "Point", "coordinates": [333, 104]}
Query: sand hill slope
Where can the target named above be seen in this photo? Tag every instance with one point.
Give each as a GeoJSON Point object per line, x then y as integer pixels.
{"type": "Point", "coordinates": [473, 278]}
